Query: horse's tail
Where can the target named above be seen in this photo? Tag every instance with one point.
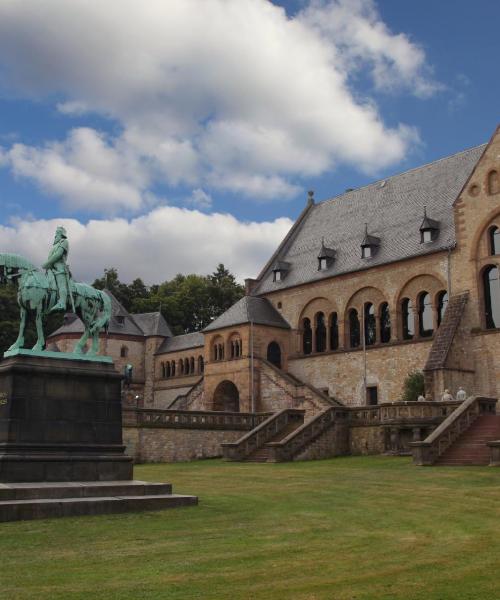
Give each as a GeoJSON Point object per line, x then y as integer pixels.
{"type": "Point", "coordinates": [105, 316]}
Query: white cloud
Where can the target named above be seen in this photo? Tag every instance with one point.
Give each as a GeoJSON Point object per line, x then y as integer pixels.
{"type": "Point", "coordinates": [155, 246]}
{"type": "Point", "coordinates": [218, 93]}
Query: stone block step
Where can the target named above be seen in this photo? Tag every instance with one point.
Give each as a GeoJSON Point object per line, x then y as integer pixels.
{"type": "Point", "coordinates": [81, 489]}
{"type": "Point", "coordinates": [46, 508]}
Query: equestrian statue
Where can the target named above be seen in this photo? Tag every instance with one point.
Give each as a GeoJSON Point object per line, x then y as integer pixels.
{"type": "Point", "coordinates": [53, 290]}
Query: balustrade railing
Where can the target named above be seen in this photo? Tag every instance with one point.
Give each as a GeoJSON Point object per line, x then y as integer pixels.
{"type": "Point", "coordinates": [429, 450]}
{"type": "Point", "coordinates": [190, 419]}
{"type": "Point", "coordinates": [297, 440]}
{"type": "Point", "coordinates": [402, 413]}
{"type": "Point", "coordinates": [262, 434]}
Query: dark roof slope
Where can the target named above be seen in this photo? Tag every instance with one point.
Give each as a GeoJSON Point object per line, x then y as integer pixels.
{"type": "Point", "coordinates": [249, 309]}
{"type": "Point", "coordinates": [181, 342]}
{"type": "Point", "coordinates": [122, 322]}
{"type": "Point", "coordinates": [393, 208]}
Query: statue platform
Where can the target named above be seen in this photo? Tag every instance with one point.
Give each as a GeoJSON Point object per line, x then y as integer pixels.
{"type": "Point", "coordinates": [61, 432]}
{"type": "Point", "coordinates": [97, 358]}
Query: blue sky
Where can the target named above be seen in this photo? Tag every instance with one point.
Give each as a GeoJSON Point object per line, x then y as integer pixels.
{"type": "Point", "coordinates": [170, 139]}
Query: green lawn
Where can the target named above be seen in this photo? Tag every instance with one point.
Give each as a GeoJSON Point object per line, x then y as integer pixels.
{"type": "Point", "coordinates": [348, 528]}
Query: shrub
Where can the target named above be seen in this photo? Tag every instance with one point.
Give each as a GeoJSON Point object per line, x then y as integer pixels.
{"type": "Point", "coordinates": [413, 386]}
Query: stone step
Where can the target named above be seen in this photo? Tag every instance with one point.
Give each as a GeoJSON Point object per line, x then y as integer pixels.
{"type": "Point", "coordinates": [81, 489]}
{"type": "Point", "coordinates": [14, 510]}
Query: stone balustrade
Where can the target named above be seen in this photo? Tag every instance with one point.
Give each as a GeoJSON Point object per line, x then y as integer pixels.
{"type": "Point", "coordinates": [261, 434]}
{"type": "Point", "coordinates": [402, 413]}
{"type": "Point", "coordinates": [189, 419]}
{"type": "Point", "coordinates": [427, 452]}
{"type": "Point", "coordinates": [287, 448]}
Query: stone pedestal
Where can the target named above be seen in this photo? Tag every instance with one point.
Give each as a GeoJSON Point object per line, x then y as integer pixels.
{"type": "Point", "coordinates": [60, 420]}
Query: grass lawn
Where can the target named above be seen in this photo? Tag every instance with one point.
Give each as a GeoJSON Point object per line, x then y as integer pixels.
{"type": "Point", "coordinates": [347, 528]}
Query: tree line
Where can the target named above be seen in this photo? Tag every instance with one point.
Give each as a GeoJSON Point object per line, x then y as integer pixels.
{"type": "Point", "coordinates": [188, 302]}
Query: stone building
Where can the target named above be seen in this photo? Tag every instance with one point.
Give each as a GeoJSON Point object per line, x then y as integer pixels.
{"type": "Point", "coordinates": [396, 276]}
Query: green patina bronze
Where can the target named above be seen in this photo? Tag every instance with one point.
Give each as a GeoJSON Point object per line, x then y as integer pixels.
{"type": "Point", "coordinates": [44, 292]}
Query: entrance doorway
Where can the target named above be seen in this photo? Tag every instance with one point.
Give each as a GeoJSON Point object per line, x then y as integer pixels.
{"type": "Point", "coordinates": [372, 395]}
{"type": "Point", "coordinates": [226, 397]}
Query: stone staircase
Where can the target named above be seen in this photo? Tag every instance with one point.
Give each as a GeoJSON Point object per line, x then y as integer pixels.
{"type": "Point", "coordinates": [262, 454]}
{"type": "Point", "coordinates": [471, 447]}
{"type": "Point", "coordinates": [23, 501]}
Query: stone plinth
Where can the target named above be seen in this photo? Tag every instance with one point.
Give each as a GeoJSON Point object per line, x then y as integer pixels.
{"type": "Point", "coordinates": [60, 420]}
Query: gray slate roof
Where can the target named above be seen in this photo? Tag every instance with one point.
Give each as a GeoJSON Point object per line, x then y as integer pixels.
{"type": "Point", "coordinates": [249, 309]}
{"type": "Point", "coordinates": [181, 342]}
{"type": "Point", "coordinates": [142, 325]}
{"type": "Point", "coordinates": [393, 209]}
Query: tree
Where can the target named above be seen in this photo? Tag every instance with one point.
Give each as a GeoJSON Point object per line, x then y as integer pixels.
{"type": "Point", "coordinates": [413, 386]}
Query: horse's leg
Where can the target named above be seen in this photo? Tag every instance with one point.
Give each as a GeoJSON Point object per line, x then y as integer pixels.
{"type": "Point", "coordinates": [40, 342]}
{"type": "Point", "coordinates": [19, 343]}
{"type": "Point", "coordinates": [82, 341]}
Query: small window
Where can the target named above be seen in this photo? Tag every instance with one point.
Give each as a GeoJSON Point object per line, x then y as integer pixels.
{"type": "Point", "coordinates": [120, 320]}
{"type": "Point", "coordinates": [408, 319]}
{"type": "Point", "coordinates": [493, 183]}
{"type": "Point", "coordinates": [426, 236]}
{"type": "Point", "coordinates": [124, 352]}
{"type": "Point", "coordinates": [372, 395]}
{"type": "Point", "coordinates": [323, 264]}
{"type": "Point", "coordinates": [494, 241]}
{"type": "Point", "coordinates": [280, 305]}
{"type": "Point", "coordinates": [354, 329]}
{"type": "Point", "coordinates": [306, 336]}
{"type": "Point", "coordinates": [277, 275]}
{"type": "Point", "coordinates": [366, 252]}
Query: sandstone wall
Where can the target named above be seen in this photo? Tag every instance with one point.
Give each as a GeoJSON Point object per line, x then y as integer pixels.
{"type": "Point", "coordinates": [367, 440]}
{"type": "Point", "coordinates": [175, 445]}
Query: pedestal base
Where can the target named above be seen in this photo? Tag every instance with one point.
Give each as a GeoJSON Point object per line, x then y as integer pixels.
{"type": "Point", "coordinates": [25, 501]}
{"type": "Point", "coordinates": [60, 420]}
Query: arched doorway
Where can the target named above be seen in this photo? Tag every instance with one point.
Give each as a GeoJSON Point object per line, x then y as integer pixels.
{"type": "Point", "coordinates": [226, 397]}
{"type": "Point", "coordinates": [274, 354]}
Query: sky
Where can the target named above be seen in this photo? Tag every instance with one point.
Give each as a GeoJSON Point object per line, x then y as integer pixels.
{"type": "Point", "coordinates": [171, 136]}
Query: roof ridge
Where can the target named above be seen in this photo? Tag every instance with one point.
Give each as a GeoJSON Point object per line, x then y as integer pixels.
{"type": "Point", "coordinates": [378, 181]}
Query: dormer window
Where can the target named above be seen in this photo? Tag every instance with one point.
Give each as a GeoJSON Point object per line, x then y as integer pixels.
{"type": "Point", "coordinates": [369, 245]}
{"type": "Point", "coordinates": [429, 230]}
{"type": "Point", "coordinates": [326, 257]}
{"type": "Point", "coordinates": [280, 270]}
{"type": "Point", "coordinates": [120, 319]}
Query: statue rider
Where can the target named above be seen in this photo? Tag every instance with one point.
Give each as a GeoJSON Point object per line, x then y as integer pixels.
{"type": "Point", "coordinates": [56, 262]}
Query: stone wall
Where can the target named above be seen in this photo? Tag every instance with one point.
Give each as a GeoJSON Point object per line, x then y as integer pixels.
{"type": "Point", "coordinates": [367, 440]}
{"type": "Point", "coordinates": [333, 442]}
{"type": "Point", "coordinates": [147, 445]}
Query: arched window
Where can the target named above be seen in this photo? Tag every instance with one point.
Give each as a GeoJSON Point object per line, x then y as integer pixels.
{"type": "Point", "coordinates": [167, 370]}
{"type": "Point", "coordinates": [442, 305]}
{"type": "Point", "coordinates": [491, 284]}
{"type": "Point", "coordinates": [124, 352]}
{"type": "Point", "coordinates": [425, 315]}
{"type": "Point", "coordinates": [306, 336]}
{"type": "Point", "coordinates": [181, 367]}
{"type": "Point", "coordinates": [370, 324]}
{"type": "Point", "coordinates": [235, 347]}
{"type": "Point", "coordinates": [408, 319]}
{"type": "Point", "coordinates": [221, 351]}
{"type": "Point", "coordinates": [320, 332]}
{"type": "Point", "coordinates": [494, 240]}
{"type": "Point", "coordinates": [191, 365]}
{"type": "Point", "coordinates": [354, 329]}
{"type": "Point", "coordinates": [218, 349]}
{"type": "Point", "coordinates": [186, 366]}
{"type": "Point", "coordinates": [172, 369]}
{"type": "Point", "coordinates": [201, 365]}
{"type": "Point", "coordinates": [334, 331]}
{"type": "Point", "coordinates": [274, 354]}
{"type": "Point", "coordinates": [493, 182]}
{"type": "Point", "coordinates": [385, 323]}
{"type": "Point", "coordinates": [163, 372]}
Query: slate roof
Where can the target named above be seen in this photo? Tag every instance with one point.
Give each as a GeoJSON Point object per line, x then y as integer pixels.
{"type": "Point", "coordinates": [249, 309]}
{"type": "Point", "coordinates": [141, 325]}
{"type": "Point", "coordinates": [393, 209]}
{"type": "Point", "coordinates": [181, 342]}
